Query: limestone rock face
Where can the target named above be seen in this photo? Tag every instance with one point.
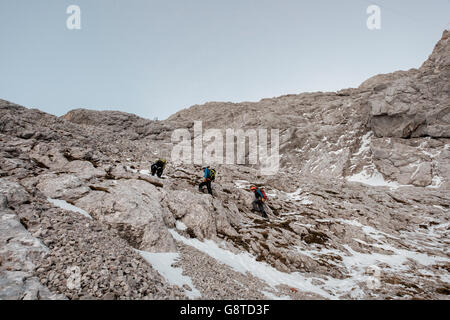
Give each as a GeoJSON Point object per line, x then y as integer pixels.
{"type": "Point", "coordinates": [416, 104]}
{"type": "Point", "coordinates": [64, 186]}
{"type": "Point", "coordinates": [195, 211]}
{"type": "Point", "coordinates": [84, 169]}
{"type": "Point", "coordinates": [328, 134]}
{"type": "Point", "coordinates": [133, 208]}
{"type": "Point", "coordinates": [19, 250]}
{"type": "Point", "coordinates": [358, 210]}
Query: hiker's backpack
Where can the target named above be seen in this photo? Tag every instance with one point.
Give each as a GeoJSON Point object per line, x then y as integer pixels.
{"type": "Point", "coordinates": [212, 174]}
{"type": "Point", "coordinates": [161, 162]}
{"type": "Point", "coordinates": [263, 193]}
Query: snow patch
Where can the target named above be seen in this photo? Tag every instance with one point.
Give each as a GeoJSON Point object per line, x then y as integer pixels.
{"type": "Point", "coordinates": [375, 179]}
{"type": "Point", "coordinates": [324, 220]}
{"type": "Point", "coordinates": [439, 207]}
{"type": "Point", "coordinates": [242, 184]}
{"type": "Point", "coordinates": [295, 196]}
{"type": "Point", "coordinates": [67, 206]}
{"type": "Point", "coordinates": [128, 168]}
{"type": "Point", "coordinates": [306, 201]}
{"type": "Point", "coordinates": [144, 172]}
{"type": "Point", "coordinates": [436, 183]}
{"type": "Point", "coordinates": [370, 231]}
{"type": "Point", "coordinates": [366, 139]}
{"type": "Point", "coordinates": [162, 262]}
{"type": "Point", "coordinates": [180, 226]}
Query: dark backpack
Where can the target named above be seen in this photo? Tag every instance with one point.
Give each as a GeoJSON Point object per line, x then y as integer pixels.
{"type": "Point", "coordinates": [161, 163]}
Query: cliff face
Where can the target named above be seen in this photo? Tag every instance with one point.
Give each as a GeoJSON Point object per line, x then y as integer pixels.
{"type": "Point", "coordinates": [393, 116]}
{"type": "Point", "coordinates": [359, 209]}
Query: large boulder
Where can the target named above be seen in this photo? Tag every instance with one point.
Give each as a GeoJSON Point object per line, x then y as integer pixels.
{"type": "Point", "coordinates": [402, 163]}
{"type": "Point", "coordinates": [12, 194]}
{"type": "Point", "coordinates": [204, 215]}
{"type": "Point", "coordinates": [133, 208]}
{"type": "Point", "coordinates": [84, 170]}
{"type": "Point", "coordinates": [63, 186]}
{"type": "Point", "coordinates": [48, 156]}
{"type": "Point", "coordinates": [196, 211]}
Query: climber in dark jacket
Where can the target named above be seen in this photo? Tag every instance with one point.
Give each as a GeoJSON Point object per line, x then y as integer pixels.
{"type": "Point", "coordinates": [258, 203]}
{"type": "Point", "coordinates": [208, 176]}
{"type": "Point", "coordinates": [158, 167]}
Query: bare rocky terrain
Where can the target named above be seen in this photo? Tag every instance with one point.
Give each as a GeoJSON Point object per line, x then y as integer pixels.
{"type": "Point", "coordinates": [360, 208]}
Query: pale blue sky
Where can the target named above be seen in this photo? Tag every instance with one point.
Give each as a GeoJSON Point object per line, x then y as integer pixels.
{"type": "Point", "coordinates": [154, 58]}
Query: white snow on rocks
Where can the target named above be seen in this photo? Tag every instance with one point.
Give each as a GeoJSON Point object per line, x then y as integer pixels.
{"type": "Point", "coordinates": [128, 168]}
{"type": "Point", "coordinates": [436, 182]}
{"type": "Point", "coordinates": [359, 265]}
{"type": "Point", "coordinates": [370, 231]}
{"type": "Point", "coordinates": [297, 196]}
{"type": "Point", "coordinates": [162, 262]}
{"type": "Point", "coordinates": [374, 179]}
{"type": "Point", "coordinates": [366, 139]}
{"type": "Point", "coordinates": [306, 202]}
{"type": "Point", "coordinates": [144, 172]}
{"type": "Point", "coordinates": [242, 184]}
{"type": "Point", "coordinates": [433, 238]}
{"type": "Point", "coordinates": [244, 262]}
{"type": "Point", "coordinates": [180, 226]}
{"type": "Point", "coordinates": [67, 206]}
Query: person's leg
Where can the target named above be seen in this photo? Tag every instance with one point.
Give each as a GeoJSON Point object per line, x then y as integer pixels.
{"type": "Point", "coordinates": [201, 185]}
{"type": "Point", "coordinates": [208, 185]}
{"type": "Point", "coordinates": [264, 214]}
{"type": "Point", "coordinates": [160, 172]}
{"type": "Point", "coordinates": [261, 209]}
{"type": "Point", "coordinates": [255, 205]}
{"type": "Point", "coordinates": [153, 170]}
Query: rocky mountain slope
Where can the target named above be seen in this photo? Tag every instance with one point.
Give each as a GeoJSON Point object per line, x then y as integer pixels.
{"type": "Point", "coordinates": [359, 209]}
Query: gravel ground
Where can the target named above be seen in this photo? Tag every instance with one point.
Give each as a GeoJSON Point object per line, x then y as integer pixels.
{"type": "Point", "coordinates": [218, 281]}
{"type": "Point", "coordinates": [109, 268]}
